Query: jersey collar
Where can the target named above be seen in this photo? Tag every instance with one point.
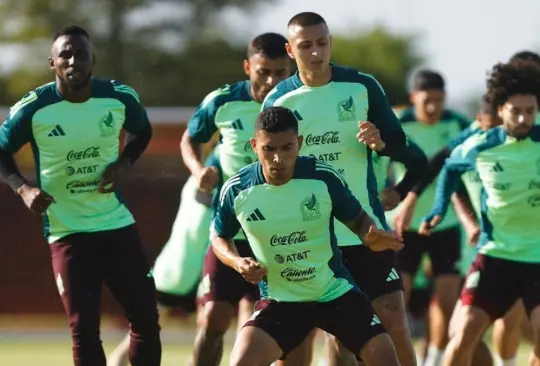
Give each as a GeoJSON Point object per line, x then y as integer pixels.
{"type": "Point", "coordinates": [298, 82]}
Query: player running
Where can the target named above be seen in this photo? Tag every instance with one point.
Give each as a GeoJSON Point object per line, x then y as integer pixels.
{"type": "Point", "coordinates": [74, 126]}
{"type": "Point", "coordinates": [431, 126]}
{"type": "Point", "coordinates": [296, 262]}
{"type": "Point", "coordinates": [505, 159]}
{"type": "Point", "coordinates": [333, 105]}
{"type": "Point", "coordinates": [232, 110]}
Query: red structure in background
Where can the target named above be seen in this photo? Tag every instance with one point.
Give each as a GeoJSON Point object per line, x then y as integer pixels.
{"type": "Point", "coordinates": [152, 191]}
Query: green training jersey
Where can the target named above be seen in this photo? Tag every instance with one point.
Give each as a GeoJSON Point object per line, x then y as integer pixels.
{"type": "Point", "coordinates": [328, 118]}
{"type": "Point", "coordinates": [232, 112]}
{"type": "Point", "coordinates": [509, 171]}
{"type": "Point", "coordinates": [430, 138]}
{"type": "Point", "coordinates": [73, 143]}
{"type": "Point", "coordinates": [295, 240]}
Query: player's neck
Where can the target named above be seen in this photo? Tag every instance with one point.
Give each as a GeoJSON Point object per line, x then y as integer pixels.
{"type": "Point", "coordinates": [74, 96]}
{"type": "Point", "coordinates": [277, 182]}
{"type": "Point", "coordinates": [316, 79]}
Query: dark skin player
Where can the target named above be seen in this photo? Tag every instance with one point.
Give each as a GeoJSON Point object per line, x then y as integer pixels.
{"type": "Point", "coordinates": [72, 59]}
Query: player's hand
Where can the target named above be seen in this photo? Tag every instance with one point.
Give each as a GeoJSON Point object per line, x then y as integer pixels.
{"type": "Point", "coordinates": [110, 179]}
{"type": "Point", "coordinates": [427, 226]}
{"type": "Point", "coordinates": [404, 214]}
{"type": "Point", "coordinates": [250, 269]}
{"type": "Point", "coordinates": [369, 135]}
{"type": "Point", "coordinates": [35, 199]}
{"type": "Point", "coordinates": [389, 199]}
{"type": "Point", "coordinates": [208, 178]}
{"type": "Point", "coordinates": [380, 240]}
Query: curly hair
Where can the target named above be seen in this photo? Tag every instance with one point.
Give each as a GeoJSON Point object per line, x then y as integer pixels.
{"type": "Point", "coordinates": [515, 78]}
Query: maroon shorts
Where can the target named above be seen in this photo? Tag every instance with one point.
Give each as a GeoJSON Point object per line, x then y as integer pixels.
{"type": "Point", "coordinates": [376, 273]}
{"type": "Point", "coordinates": [494, 285]}
{"type": "Point", "coordinates": [222, 283]}
{"type": "Point", "coordinates": [349, 318]}
{"type": "Point", "coordinates": [443, 247]}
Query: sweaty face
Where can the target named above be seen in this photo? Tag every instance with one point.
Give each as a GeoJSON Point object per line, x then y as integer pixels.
{"type": "Point", "coordinates": [488, 120]}
{"type": "Point", "coordinates": [72, 60]}
{"type": "Point", "coordinates": [519, 114]}
{"type": "Point", "coordinates": [264, 74]}
{"type": "Point", "coordinates": [277, 153]}
{"type": "Point", "coordinates": [310, 47]}
{"type": "Point", "coordinates": [429, 104]}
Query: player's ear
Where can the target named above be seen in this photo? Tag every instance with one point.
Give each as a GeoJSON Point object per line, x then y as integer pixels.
{"type": "Point", "coordinates": [51, 63]}
{"type": "Point", "coordinates": [500, 112]}
{"type": "Point", "coordinates": [253, 143]}
{"type": "Point", "coordinates": [300, 141]}
{"type": "Point", "coordinates": [247, 67]}
{"type": "Point", "coordinates": [411, 97]}
{"type": "Point", "coordinates": [288, 48]}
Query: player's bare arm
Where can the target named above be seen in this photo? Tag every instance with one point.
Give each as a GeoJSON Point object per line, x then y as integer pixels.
{"type": "Point", "coordinates": [375, 239]}
{"type": "Point", "coordinates": [226, 251]}
{"type": "Point", "coordinates": [207, 177]}
{"type": "Point", "coordinates": [465, 213]}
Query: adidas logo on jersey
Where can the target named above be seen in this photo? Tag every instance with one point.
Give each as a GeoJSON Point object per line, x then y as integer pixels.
{"type": "Point", "coordinates": [375, 320]}
{"type": "Point", "coordinates": [392, 276]}
{"type": "Point", "coordinates": [57, 131]}
{"type": "Point", "coordinates": [237, 125]}
{"type": "Point", "coordinates": [256, 216]}
{"type": "Point", "coordinates": [496, 168]}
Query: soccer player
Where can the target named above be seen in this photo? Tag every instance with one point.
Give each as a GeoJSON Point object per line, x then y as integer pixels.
{"type": "Point", "coordinates": [74, 125]}
{"type": "Point", "coordinates": [181, 257]}
{"type": "Point", "coordinates": [296, 260]}
{"type": "Point", "coordinates": [431, 126]}
{"type": "Point", "coordinates": [340, 111]}
{"type": "Point", "coordinates": [232, 110]}
{"type": "Point", "coordinates": [506, 161]}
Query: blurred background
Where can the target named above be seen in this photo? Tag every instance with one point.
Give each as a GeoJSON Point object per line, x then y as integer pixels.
{"type": "Point", "coordinates": [173, 52]}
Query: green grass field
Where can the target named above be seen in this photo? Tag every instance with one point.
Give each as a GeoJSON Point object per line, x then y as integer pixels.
{"type": "Point", "coordinates": [57, 352]}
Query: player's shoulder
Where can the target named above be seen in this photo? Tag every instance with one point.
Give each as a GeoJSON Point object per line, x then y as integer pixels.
{"type": "Point", "coordinates": [282, 89]}
{"type": "Point", "coordinates": [308, 167]}
{"type": "Point", "coordinates": [104, 88]}
{"type": "Point", "coordinates": [450, 115]}
{"type": "Point", "coordinates": [238, 91]}
{"type": "Point", "coordinates": [483, 140]}
{"type": "Point", "coordinates": [247, 177]}
{"type": "Point", "coordinates": [472, 129]}
{"type": "Point", "coordinates": [36, 99]}
{"type": "Point", "coordinates": [350, 75]}
{"type": "Point", "coordinates": [406, 115]}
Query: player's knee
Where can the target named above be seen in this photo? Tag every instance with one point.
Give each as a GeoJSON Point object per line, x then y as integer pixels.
{"type": "Point", "coordinates": [217, 316]}
{"type": "Point", "coordinates": [145, 323]}
{"type": "Point", "coordinates": [85, 328]}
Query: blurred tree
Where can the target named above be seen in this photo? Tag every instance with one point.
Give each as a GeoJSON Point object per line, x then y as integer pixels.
{"type": "Point", "coordinates": [137, 41]}
{"type": "Point", "coordinates": [387, 56]}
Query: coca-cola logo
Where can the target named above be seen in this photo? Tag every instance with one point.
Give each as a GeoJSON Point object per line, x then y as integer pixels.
{"type": "Point", "coordinates": [89, 153]}
{"type": "Point", "coordinates": [327, 138]}
{"type": "Point", "coordinates": [293, 238]}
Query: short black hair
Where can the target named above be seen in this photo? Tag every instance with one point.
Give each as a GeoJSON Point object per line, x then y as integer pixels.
{"type": "Point", "coordinates": [71, 30]}
{"type": "Point", "coordinates": [306, 19]}
{"type": "Point", "coordinates": [513, 78]}
{"type": "Point", "coordinates": [526, 56]}
{"type": "Point", "coordinates": [276, 119]}
{"type": "Point", "coordinates": [269, 45]}
{"type": "Point", "coordinates": [426, 79]}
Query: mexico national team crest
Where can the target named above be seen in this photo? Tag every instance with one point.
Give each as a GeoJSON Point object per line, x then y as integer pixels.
{"type": "Point", "coordinates": [346, 110]}
{"type": "Point", "coordinates": [107, 125]}
{"type": "Point", "coordinates": [310, 208]}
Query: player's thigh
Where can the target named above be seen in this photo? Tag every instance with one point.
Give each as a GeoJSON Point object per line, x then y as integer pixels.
{"type": "Point", "coordinates": [411, 254]}
{"type": "Point", "coordinates": [221, 283]}
{"type": "Point", "coordinates": [444, 249]}
{"type": "Point", "coordinates": [490, 285]}
{"type": "Point", "coordinates": [376, 273]}
{"type": "Point", "coordinates": [128, 273]}
{"type": "Point", "coordinates": [288, 324]}
{"type": "Point", "coordinates": [530, 285]}
{"type": "Point", "coordinates": [77, 272]}
{"type": "Point", "coordinates": [351, 319]}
